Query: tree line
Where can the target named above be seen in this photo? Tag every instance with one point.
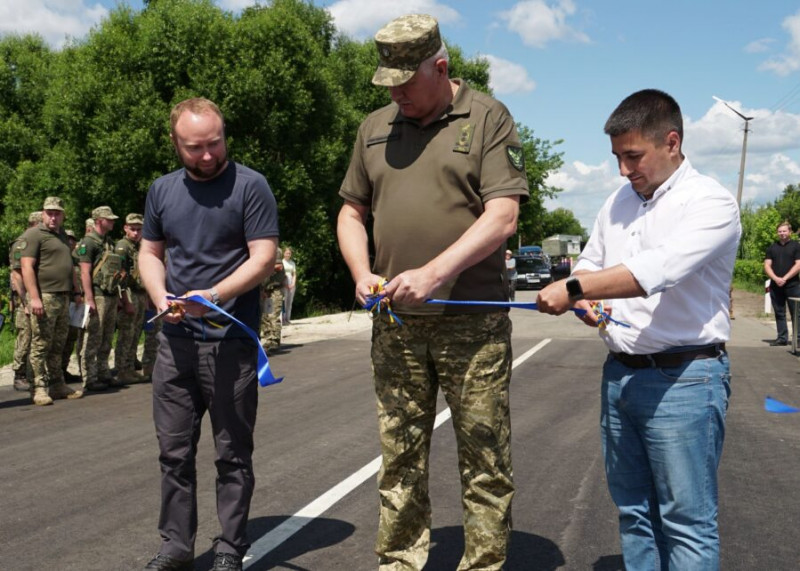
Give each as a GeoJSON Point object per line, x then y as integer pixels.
{"type": "Point", "coordinates": [90, 122]}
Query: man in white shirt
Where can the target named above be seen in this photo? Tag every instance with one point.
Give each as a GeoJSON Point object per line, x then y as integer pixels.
{"type": "Point", "coordinates": [661, 254]}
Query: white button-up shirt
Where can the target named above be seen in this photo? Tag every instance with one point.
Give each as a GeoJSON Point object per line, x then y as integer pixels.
{"type": "Point", "coordinates": [680, 246]}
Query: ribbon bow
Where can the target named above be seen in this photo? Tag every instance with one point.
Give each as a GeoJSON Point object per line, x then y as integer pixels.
{"type": "Point", "coordinates": [377, 301]}
{"type": "Point", "coordinates": [265, 376]}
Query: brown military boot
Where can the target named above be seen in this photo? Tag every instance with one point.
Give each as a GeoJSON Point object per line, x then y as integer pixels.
{"type": "Point", "coordinates": [147, 372]}
{"type": "Point", "coordinates": [130, 377]}
{"type": "Point", "coordinates": [62, 391]}
{"type": "Point", "coordinates": [21, 381]}
{"type": "Point", "coordinates": [40, 397]}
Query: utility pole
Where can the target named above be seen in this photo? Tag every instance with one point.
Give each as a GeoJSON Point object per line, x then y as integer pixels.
{"type": "Point", "coordinates": [744, 147]}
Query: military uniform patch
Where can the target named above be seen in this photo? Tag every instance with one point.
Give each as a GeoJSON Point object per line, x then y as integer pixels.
{"type": "Point", "coordinates": [21, 245]}
{"type": "Point", "coordinates": [464, 138]}
{"type": "Point", "coordinates": [515, 157]}
{"type": "Point", "coordinates": [82, 249]}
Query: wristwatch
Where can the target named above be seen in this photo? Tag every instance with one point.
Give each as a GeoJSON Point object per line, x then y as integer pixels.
{"type": "Point", "coordinates": [214, 296]}
{"type": "Point", "coordinates": [574, 290]}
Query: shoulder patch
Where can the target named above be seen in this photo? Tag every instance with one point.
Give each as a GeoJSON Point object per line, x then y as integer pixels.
{"type": "Point", "coordinates": [464, 141]}
{"type": "Point", "coordinates": [82, 249]}
{"type": "Point", "coordinates": [21, 244]}
{"type": "Point", "coordinates": [515, 157]}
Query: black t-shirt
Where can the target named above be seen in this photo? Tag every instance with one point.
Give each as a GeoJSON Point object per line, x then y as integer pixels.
{"type": "Point", "coordinates": [783, 257]}
{"type": "Point", "coordinates": [206, 227]}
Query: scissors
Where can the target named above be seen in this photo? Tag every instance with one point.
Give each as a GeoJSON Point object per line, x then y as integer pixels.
{"type": "Point", "coordinates": [171, 308]}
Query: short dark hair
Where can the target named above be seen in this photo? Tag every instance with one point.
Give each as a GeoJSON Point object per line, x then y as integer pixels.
{"type": "Point", "coordinates": [651, 112]}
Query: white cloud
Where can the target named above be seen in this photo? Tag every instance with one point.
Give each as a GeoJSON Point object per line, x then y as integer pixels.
{"type": "Point", "coordinates": [789, 60]}
{"type": "Point", "coordinates": [538, 22]}
{"type": "Point", "coordinates": [508, 77]}
{"type": "Point", "coordinates": [585, 188]}
{"type": "Point", "coordinates": [54, 20]}
{"type": "Point", "coordinates": [759, 46]}
{"type": "Point", "coordinates": [362, 18]}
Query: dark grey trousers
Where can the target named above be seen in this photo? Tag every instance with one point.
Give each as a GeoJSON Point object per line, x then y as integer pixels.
{"type": "Point", "coordinates": [189, 378]}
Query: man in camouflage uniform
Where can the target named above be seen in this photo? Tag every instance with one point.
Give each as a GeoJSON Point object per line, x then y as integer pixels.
{"type": "Point", "coordinates": [74, 332]}
{"type": "Point", "coordinates": [22, 321]}
{"type": "Point", "coordinates": [134, 300]}
{"type": "Point", "coordinates": [50, 284]}
{"type": "Point", "coordinates": [151, 331]}
{"type": "Point", "coordinates": [442, 167]}
{"type": "Point", "coordinates": [88, 226]}
{"type": "Point", "coordinates": [101, 274]}
{"type": "Point", "coordinates": [271, 303]}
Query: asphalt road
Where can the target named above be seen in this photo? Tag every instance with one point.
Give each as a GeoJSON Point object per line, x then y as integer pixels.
{"type": "Point", "coordinates": [79, 481]}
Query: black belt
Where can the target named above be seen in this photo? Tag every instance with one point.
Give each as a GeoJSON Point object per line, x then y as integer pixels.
{"type": "Point", "coordinates": [667, 360]}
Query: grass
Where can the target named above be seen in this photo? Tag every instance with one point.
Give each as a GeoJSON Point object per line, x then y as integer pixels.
{"type": "Point", "coordinates": [7, 337]}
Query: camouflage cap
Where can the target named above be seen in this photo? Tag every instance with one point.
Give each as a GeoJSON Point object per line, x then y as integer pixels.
{"type": "Point", "coordinates": [134, 218]}
{"type": "Point", "coordinates": [70, 233]}
{"type": "Point", "coordinates": [104, 212]}
{"type": "Point", "coordinates": [53, 203]}
{"type": "Point", "coordinates": [35, 217]}
{"type": "Point", "coordinates": [403, 44]}
{"type": "Point", "coordinates": [89, 223]}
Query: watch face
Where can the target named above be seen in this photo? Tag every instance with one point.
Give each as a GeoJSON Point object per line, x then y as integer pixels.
{"type": "Point", "coordinates": [574, 288]}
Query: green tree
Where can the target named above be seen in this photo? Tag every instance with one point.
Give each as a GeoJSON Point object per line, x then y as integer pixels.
{"type": "Point", "coordinates": [540, 160]}
{"type": "Point", "coordinates": [562, 221]}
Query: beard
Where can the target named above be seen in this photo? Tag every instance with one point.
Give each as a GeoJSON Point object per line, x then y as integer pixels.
{"type": "Point", "coordinates": [206, 172]}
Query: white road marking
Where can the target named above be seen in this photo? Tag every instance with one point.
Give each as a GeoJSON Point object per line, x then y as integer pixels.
{"type": "Point", "coordinates": [269, 542]}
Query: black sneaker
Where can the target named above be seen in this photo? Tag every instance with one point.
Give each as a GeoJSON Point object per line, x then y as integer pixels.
{"type": "Point", "coordinates": [227, 562]}
{"type": "Point", "coordinates": [166, 563]}
{"type": "Point", "coordinates": [778, 343]}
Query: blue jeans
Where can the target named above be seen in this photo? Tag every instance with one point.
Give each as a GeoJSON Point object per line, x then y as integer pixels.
{"type": "Point", "coordinates": [662, 433]}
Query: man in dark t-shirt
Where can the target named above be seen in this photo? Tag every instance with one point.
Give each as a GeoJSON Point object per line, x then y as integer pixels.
{"type": "Point", "coordinates": [782, 264]}
{"type": "Point", "coordinates": [215, 223]}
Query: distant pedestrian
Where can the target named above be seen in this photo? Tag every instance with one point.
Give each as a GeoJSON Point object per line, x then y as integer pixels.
{"type": "Point", "coordinates": [782, 266]}
{"type": "Point", "coordinates": [134, 299]}
{"type": "Point", "coordinates": [50, 284]}
{"type": "Point", "coordinates": [23, 375]}
{"type": "Point", "coordinates": [271, 303]}
{"type": "Point", "coordinates": [289, 285]}
{"type": "Point", "coordinates": [101, 275]}
{"type": "Point", "coordinates": [662, 252]}
{"type": "Point", "coordinates": [511, 274]}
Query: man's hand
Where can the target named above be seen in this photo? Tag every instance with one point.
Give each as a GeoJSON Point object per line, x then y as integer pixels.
{"type": "Point", "coordinates": [412, 287]}
{"type": "Point", "coordinates": [37, 308]}
{"type": "Point", "coordinates": [192, 307]}
{"type": "Point", "coordinates": [780, 282]}
{"type": "Point", "coordinates": [554, 298]}
{"type": "Point", "coordinates": [363, 287]}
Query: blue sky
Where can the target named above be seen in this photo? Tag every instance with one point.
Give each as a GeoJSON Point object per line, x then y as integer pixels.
{"type": "Point", "coordinates": [561, 66]}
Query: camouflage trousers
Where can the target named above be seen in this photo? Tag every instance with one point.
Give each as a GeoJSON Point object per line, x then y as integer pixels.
{"type": "Point", "coordinates": [469, 358]}
{"type": "Point", "coordinates": [271, 319]}
{"type": "Point", "coordinates": [97, 340]}
{"type": "Point", "coordinates": [48, 335]}
{"type": "Point", "coordinates": [22, 344]}
{"type": "Point", "coordinates": [129, 329]}
{"type": "Point", "coordinates": [150, 346]}
{"type": "Point", "coordinates": [69, 346]}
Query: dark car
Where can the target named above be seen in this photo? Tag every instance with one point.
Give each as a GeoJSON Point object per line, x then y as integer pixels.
{"type": "Point", "coordinates": [532, 272]}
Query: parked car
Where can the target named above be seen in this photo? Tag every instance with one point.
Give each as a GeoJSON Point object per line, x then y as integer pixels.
{"type": "Point", "coordinates": [533, 252]}
{"type": "Point", "coordinates": [532, 272]}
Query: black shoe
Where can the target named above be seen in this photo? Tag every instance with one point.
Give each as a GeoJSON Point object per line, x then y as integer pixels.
{"type": "Point", "coordinates": [778, 343]}
{"type": "Point", "coordinates": [227, 562]}
{"type": "Point", "coordinates": [70, 378]}
{"type": "Point", "coordinates": [167, 563]}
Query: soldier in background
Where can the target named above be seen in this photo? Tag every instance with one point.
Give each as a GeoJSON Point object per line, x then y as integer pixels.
{"type": "Point", "coordinates": [74, 332]}
{"type": "Point", "coordinates": [151, 331]}
{"type": "Point", "coordinates": [88, 226]}
{"type": "Point", "coordinates": [134, 299]}
{"type": "Point", "coordinates": [101, 274]}
{"type": "Point", "coordinates": [50, 284]}
{"type": "Point", "coordinates": [22, 322]}
{"type": "Point", "coordinates": [271, 303]}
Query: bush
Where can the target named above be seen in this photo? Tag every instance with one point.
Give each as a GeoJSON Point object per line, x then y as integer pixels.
{"type": "Point", "coordinates": [750, 272]}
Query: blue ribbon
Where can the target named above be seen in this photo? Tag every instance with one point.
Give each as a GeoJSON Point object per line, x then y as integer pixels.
{"type": "Point", "coordinates": [522, 305]}
{"type": "Point", "coordinates": [265, 376]}
{"type": "Point", "coordinates": [772, 405]}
